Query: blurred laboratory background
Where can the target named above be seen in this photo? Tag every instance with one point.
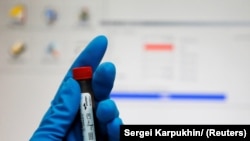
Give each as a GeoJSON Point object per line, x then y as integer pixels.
{"type": "Point", "coordinates": [178, 61]}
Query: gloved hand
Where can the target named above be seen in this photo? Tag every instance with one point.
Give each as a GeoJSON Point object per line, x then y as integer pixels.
{"type": "Point", "coordinates": [62, 120]}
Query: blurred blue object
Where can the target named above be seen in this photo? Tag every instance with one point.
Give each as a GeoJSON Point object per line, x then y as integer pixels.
{"type": "Point", "coordinates": [51, 15]}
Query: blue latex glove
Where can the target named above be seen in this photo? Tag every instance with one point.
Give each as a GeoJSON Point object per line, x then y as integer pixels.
{"type": "Point", "coordinates": [62, 120]}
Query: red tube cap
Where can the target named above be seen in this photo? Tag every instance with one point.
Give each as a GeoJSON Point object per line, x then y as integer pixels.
{"type": "Point", "coordinates": [82, 73]}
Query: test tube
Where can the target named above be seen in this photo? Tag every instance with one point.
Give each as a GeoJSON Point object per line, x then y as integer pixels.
{"type": "Point", "coordinates": [83, 75]}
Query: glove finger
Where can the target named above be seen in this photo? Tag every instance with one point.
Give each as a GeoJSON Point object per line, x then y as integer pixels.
{"type": "Point", "coordinates": [90, 56]}
{"type": "Point", "coordinates": [106, 111]}
{"type": "Point", "coordinates": [103, 80]}
{"type": "Point", "coordinates": [60, 115]}
{"type": "Point", "coordinates": [113, 128]}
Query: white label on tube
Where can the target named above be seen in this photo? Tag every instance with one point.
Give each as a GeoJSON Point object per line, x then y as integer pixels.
{"type": "Point", "coordinates": [87, 117]}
